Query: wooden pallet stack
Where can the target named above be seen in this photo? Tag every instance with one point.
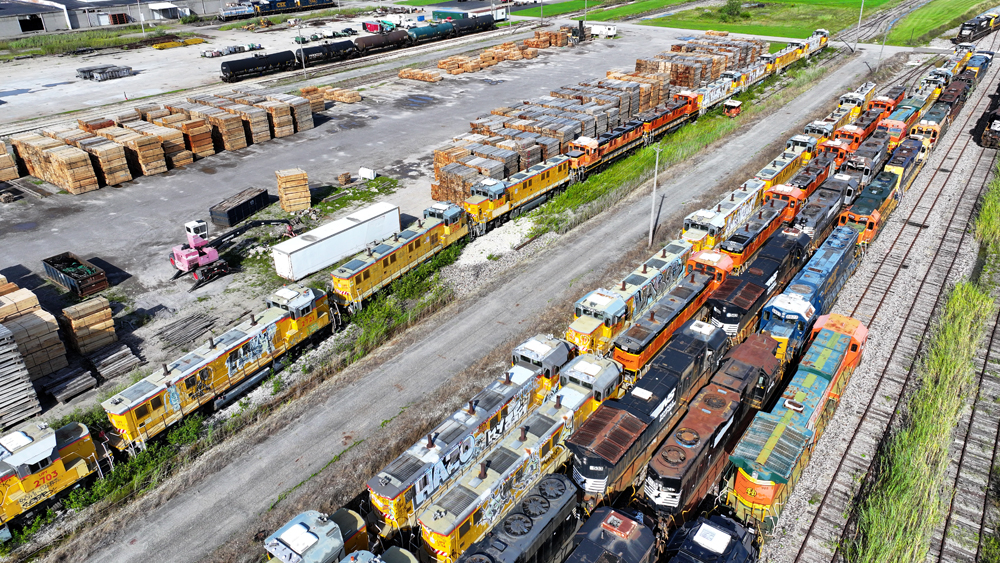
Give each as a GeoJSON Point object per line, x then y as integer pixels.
{"type": "Point", "coordinates": [56, 162]}
{"type": "Point", "coordinates": [301, 114]}
{"type": "Point", "coordinates": [227, 129]}
{"type": "Point", "coordinates": [107, 157]}
{"type": "Point", "coordinates": [315, 97]}
{"type": "Point", "coordinates": [15, 302]}
{"type": "Point", "coordinates": [114, 360]}
{"type": "Point", "coordinates": [344, 178]}
{"type": "Point", "coordinates": [197, 137]}
{"type": "Point", "coordinates": [293, 189]}
{"type": "Point", "coordinates": [455, 182]}
{"type": "Point", "coordinates": [421, 75]}
{"type": "Point", "coordinates": [67, 383]}
{"type": "Point", "coordinates": [175, 152]}
{"type": "Point", "coordinates": [37, 337]}
{"type": "Point", "coordinates": [8, 167]}
{"type": "Point", "coordinates": [455, 65]}
{"type": "Point", "coordinates": [18, 400]}
{"type": "Point", "coordinates": [279, 118]}
{"type": "Point", "coordinates": [144, 153]}
{"type": "Point", "coordinates": [342, 95]}
{"type": "Point", "coordinates": [447, 155]}
{"type": "Point", "coordinates": [88, 326]}
{"type": "Point", "coordinates": [542, 40]}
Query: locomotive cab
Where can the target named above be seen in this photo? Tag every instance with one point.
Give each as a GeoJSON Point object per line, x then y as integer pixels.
{"type": "Point", "coordinates": [544, 356]}
{"type": "Point", "coordinates": [597, 318]}
{"type": "Point", "coordinates": [583, 153]}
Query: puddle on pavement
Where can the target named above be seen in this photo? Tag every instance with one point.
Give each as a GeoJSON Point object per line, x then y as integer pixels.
{"type": "Point", "coordinates": [415, 102]}
{"type": "Point", "coordinates": [54, 84]}
{"type": "Point", "coordinates": [11, 93]}
{"type": "Point", "coordinates": [207, 169]}
{"type": "Point", "coordinates": [25, 226]}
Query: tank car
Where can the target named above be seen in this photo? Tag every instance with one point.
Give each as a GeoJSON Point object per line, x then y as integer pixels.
{"type": "Point", "coordinates": [391, 40]}
{"type": "Point", "coordinates": [465, 26]}
{"type": "Point", "coordinates": [257, 65]}
{"type": "Point", "coordinates": [316, 54]}
{"type": "Point", "coordinates": [432, 31]}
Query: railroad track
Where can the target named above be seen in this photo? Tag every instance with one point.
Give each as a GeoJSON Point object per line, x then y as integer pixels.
{"type": "Point", "coordinates": [265, 85]}
{"type": "Point", "coordinates": [828, 527]}
{"type": "Point", "coordinates": [873, 27]}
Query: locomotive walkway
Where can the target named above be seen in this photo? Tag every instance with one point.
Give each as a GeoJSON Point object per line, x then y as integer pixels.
{"type": "Point", "coordinates": [448, 343]}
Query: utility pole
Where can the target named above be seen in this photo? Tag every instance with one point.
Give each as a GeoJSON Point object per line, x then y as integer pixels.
{"type": "Point", "coordinates": [142, 21]}
{"type": "Point", "coordinates": [652, 205]}
{"type": "Point", "coordinates": [303, 51]}
{"type": "Point", "coordinates": [857, 34]}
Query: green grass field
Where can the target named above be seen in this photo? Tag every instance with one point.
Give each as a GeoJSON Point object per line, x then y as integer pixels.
{"type": "Point", "coordinates": [622, 12]}
{"type": "Point", "coordinates": [281, 18]}
{"type": "Point", "coordinates": [777, 46]}
{"type": "Point", "coordinates": [778, 18]}
{"type": "Point", "coordinates": [557, 9]}
{"type": "Point", "coordinates": [934, 18]}
{"type": "Point", "coordinates": [53, 44]}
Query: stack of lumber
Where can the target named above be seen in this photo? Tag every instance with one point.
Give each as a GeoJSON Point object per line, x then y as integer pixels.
{"type": "Point", "coordinates": [37, 337]}
{"type": "Point", "coordinates": [529, 154]}
{"type": "Point", "coordinates": [197, 137]}
{"type": "Point", "coordinates": [342, 95]}
{"type": "Point", "coordinates": [227, 129]}
{"type": "Point", "coordinates": [315, 97]}
{"type": "Point", "coordinates": [249, 99]}
{"type": "Point", "coordinates": [510, 159]}
{"type": "Point", "coordinates": [458, 64]}
{"type": "Point", "coordinates": [279, 118]}
{"type": "Point", "coordinates": [170, 120]}
{"type": "Point", "coordinates": [254, 119]}
{"type": "Point", "coordinates": [89, 326]}
{"type": "Point", "coordinates": [107, 157]}
{"type": "Point", "coordinates": [344, 178]}
{"type": "Point", "coordinates": [154, 115]}
{"type": "Point", "coordinates": [293, 189]}
{"type": "Point", "coordinates": [301, 114]}
{"type": "Point", "coordinates": [18, 400]}
{"type": "Point", "coordinates": [8, 167]}
{"type": "Point", "coordinates": [186, 330]}
{"type": "Point", "coordinates": [654, 83]}
{"type": "Point", "coordinates": [67, 383]}
{"type": "Point", "coordinates": [125, 117]}
{"type": "Point", "coordinates": [15, 302]}
{"type": "Point", "coordinates": [487, 167]}
{"type": "Point", "coordinates": [92, 125]}
{"type": "Point", "coordinates": [421, 75]}
{"type": "Point", "coordinates": [717, 33]}
{"type": "Point", "coordinates": [144, 153]}
{"type": "Point", "coordinates": [508, 51]}
{"type": "Point", "coordinates": [542, 40]}
{"type": "Point", "coordinates": [455, 182]}
{"type": "Point", "coordinates": [447, 155]}
{"type": "Point", "coordinates": [56, 162]}
{"type": "Point", "coordinates": [113, 361]}
{"type": "Point", "coordinates": [145, 109]}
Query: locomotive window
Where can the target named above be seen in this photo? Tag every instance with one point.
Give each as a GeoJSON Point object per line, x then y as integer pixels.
{"type": "Point", "coordinates": [464, 529]}
{"type": "Point", "coordinates": [477, 517]}
{"type": "Point", "coordinates": [141, 412]}
{"type": "Point", "coordinates": [190, 382]}
{"type": "Point", "coordinates": [434, 239]}
{"type": "Point", "coordinates": [156, 403]}
{"type": "Point", "coordinates": [385, 263]}
{"type": "Point", "coordinates": [597, 396]}
{"type": "Point", "coordinates": [367, 274]}
{"type": "Point", "coordinates": [205, 374]}
{"type": "Point", "coordinates": [357, 278]}
{"type": "Point", "coordinates": [854, 347]}
{"type": "Point", "coordinates": [495, 421]}
{"type": "Point", "coordinates": [36, 467]}
{"type": "Point", "coordinates": [392, 259]}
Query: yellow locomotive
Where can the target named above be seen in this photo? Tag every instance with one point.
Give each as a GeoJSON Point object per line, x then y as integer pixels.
{"type": "Point", "coordinates": [370, 271]}
{"type": "Point", "coordinates": [224, 367]}
{"type": "Point", "coordinates": [493, 202]}
{"type": "Point", "coordinates": [37, 463]}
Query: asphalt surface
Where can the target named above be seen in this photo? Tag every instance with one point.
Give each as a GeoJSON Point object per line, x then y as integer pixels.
{"type": "Point", "coordinates": [223, 503]}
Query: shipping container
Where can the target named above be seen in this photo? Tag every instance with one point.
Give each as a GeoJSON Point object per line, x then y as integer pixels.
{"type": "Point", "coordinates": [75, 274]}
{"type": "Point", "coordinates": [442, 15]}
{"type": "Point", "coordinates": [231, 211]}
{"type": "Point", "coordinates": [324, 246]}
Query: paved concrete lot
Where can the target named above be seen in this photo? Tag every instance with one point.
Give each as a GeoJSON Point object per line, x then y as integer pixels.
{"type": "Point", "coordinates": [394, 131]}
{"type": "Point", "coordinates": [228, 501]}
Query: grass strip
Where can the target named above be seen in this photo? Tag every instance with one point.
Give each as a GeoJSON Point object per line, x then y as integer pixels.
{"type": "Point", "coordinates": [908, 497]}
{"type": "Point", "coordinates": [933, 19]}
{"type": "Point", "coordinates": [586, 199]}
{"type": "Point", "coordinates": [282, 18]}
{"type": "Point", "coordinates": [776, 18]}
{"type": "Point", "coordinates": [558, 9]}
{"type": "Point", "coordinates": [54, 44]}
{"type": "Point", "coordinates": [629, 10]}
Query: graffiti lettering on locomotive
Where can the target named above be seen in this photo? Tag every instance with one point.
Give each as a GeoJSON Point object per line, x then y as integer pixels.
{"type": "Point", "coordinates": [256, 347]}
{"type": "Point", "coordinates": [470, 449]}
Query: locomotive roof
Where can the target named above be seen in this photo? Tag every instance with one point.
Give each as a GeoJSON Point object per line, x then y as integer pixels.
{"type": "Point", "coordinates": [770, 449]}
{"type": "Point", "coordinates": [663, 312]}
{"type": "Point", "coordinates": [544, 350]}
{"type": "Point", "coordinates": [519, 533]}
{"type": "Point", "coordinates": [392, 555]}
{"type": "Point", "coordinates": [364, 259]}
{"type": "Point", "coordinates": [822, 205]}
{"type": "Point", "coordinates": [717, 213]}
{"type": "Point", "coordinates": [450, 434]}
{"type": "Point", "coordinates": [708, 418]}
{"type": "Point", "coordinates": [717, 539]}
{"type": "Point", "coordinates": [469, 492]}
{"type": "Point", "coordinates": [737, 292]}
{"type": "Point", "coordinates": [311, 537]}
{"type": "Point", "coordinates": [26, 444]}
{"type": "Point", "coordinates": [609, 536]}
{"type": "Point", "coordinates": [815, 273]}
{"type": "Point", "coordinates": [591, 371]}
{"type": "Point", "coordinates": [603, 301]}
{"type": "Point", "coordinates": [766, 215]}
{"type": "Point", "coordinates": [205, 354]}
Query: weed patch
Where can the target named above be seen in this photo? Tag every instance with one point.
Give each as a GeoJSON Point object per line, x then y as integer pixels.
{"type": "Point", "coordinates": [346, 12]}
